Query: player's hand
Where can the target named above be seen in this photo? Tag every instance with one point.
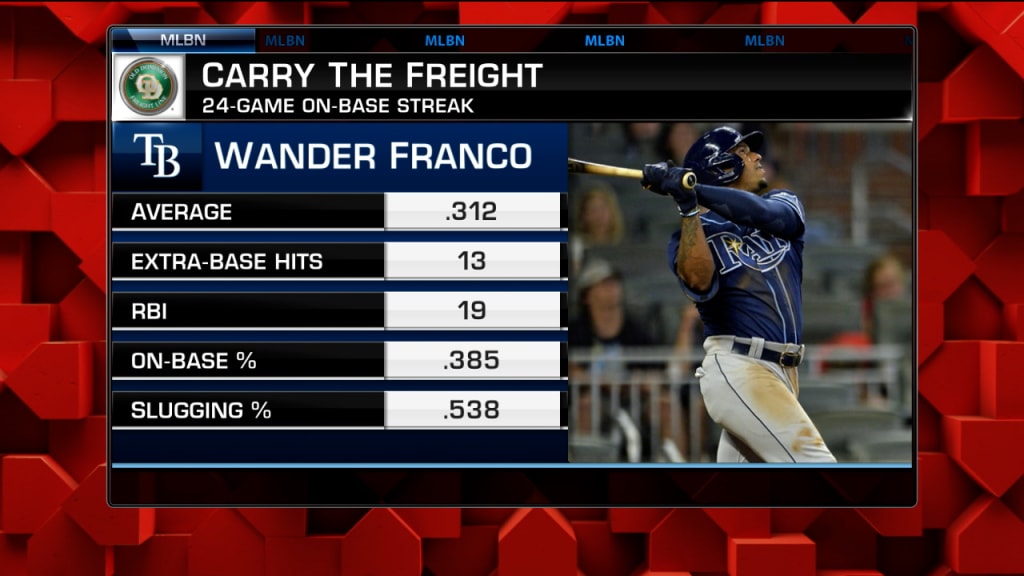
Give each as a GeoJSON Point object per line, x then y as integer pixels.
{"type": "Point", "coordinates": [654, 174]}
{"type": "Point", "coordinates": [666, 178]}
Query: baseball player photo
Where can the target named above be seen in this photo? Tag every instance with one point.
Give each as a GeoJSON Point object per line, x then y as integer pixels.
{"type": "Point", "coordinates": [734, 248]}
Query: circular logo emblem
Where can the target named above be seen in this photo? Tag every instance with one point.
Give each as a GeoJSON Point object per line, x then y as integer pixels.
{"type": "Point", "coordinates": [148, 86]}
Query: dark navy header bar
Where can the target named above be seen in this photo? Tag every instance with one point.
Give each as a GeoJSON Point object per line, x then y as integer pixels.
{"type": "Point", "coordinates": [584, 39]}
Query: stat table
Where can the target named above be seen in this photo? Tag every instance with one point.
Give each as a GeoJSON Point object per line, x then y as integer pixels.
{"type": "Point", "coordinates": [328, 293]}
{"type": "Point", "coordinates": [337, 248]}
{"type": "Point", "coordinates": [278, 295]}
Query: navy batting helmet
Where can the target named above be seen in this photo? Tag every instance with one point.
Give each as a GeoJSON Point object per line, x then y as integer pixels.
{"type": "Point", "coordinates": [710, 157]}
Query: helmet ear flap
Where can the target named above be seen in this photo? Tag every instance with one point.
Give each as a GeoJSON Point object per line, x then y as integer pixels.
{"type": "Point", "coordinates": [711, 159]}
{"type": "Point", "coordinates": [728, 168]}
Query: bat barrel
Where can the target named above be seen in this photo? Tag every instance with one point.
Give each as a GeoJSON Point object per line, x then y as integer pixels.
{"type": "Point", "coordinates": [583, 167]}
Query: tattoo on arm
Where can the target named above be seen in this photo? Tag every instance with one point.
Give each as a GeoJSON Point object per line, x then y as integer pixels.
{"type": "Point", "coordinates": [694, 263]}
{"type": "Point", "coordinates": [689, 235]}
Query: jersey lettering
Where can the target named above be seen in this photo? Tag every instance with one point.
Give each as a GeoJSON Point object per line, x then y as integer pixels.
{"type": "Point", "coordinates": [753, 251]}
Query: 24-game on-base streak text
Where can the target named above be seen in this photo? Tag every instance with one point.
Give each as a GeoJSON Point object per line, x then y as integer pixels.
{"type": "Point", "coordinates": [451, 75]}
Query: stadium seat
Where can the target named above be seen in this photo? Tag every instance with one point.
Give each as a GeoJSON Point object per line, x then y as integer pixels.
{"type": "Point", "coordinates": [883, 446]}
{"type": "Point", "coordinates": [839, 427]}
{"type": "Point", "coordinates": [650, 219]}
{"type": "Point", "coordinates": [823, 397]}
{"type": "Point", "coordinates": [823, 226]}
{"type": "Point", "coordinates": [667, 320]}
{"type": "Point", "coordinates": [841, 265]}
{"type": "Point", "coordinates": [632, 260]}
{"type": "Point", "coordinates": [893, 321]}
{"type": "Point", "coordinates": [826, 317]}
{"type": "Point", "coordinates": [595, 449]}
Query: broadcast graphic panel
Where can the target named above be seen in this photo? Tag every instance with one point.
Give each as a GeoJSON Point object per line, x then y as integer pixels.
{"type": "Point", "coordinates": [327, 262]}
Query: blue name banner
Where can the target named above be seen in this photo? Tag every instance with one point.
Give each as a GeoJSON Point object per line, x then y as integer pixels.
{"type": "Point", "coordinates": [340, 157]}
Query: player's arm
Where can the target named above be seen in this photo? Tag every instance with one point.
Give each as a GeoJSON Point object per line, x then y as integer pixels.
{"type": "Point", "coordinates": [694, 264]}
{"type": "Point", "coordinates": [776, 216]}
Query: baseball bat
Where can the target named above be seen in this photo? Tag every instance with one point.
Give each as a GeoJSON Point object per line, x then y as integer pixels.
{"type": "Point", "coordinates": [583, 167]}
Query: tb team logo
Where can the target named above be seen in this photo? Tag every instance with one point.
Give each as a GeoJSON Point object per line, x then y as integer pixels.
{"type": "Point", "coordinates": [162, 156]}
{"type": "Point", "coordinates": [156, 156]}
{"type": "Point", "coordinates": [148, 86]}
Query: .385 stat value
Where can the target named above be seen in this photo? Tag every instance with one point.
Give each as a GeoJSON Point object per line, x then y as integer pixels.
{"type": "Point", "coordinates": [472, 360]}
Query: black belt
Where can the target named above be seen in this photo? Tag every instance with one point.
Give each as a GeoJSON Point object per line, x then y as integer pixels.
{"type": "Point", "coordinates": [787, 359]}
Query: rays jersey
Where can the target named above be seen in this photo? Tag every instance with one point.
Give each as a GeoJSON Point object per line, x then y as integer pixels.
{"type": "Point", "coordinates": [756, 286]}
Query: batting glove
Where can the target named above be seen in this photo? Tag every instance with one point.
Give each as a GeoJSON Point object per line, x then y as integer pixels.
{"type": "Point", "coordinates": [666, 178]}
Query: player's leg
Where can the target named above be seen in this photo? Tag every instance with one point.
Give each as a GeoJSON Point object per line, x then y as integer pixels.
{"type": "Point", "coordinates": [721, 407]}
{"type": "Point", "coordinates": [817, 447]}
{"type": "Point", "coordinates": [710, 383]}
{"type": "Point", "coordinates": [753, 403]}
{"type": "Point", "coordinates": [730, 450]}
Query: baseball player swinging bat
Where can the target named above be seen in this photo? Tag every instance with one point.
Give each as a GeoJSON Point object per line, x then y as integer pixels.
{"type": "Point", "coordinates": [582, 167]}
{"type": "Point", "coordinates": [738, 256]}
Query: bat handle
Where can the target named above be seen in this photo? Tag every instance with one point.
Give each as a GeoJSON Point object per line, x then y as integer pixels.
{"type": "Point", "coordinates": [689, 180]}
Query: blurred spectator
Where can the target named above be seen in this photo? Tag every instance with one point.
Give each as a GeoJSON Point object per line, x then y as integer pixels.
{"type": "Point", "coordinates": [576, 253]}
{"type": "Point", "coordinates": [603, 131]}
{"type": "Point", "coordinates": [689, 344]}
{"type": "Point", "coordinates": [601, 142]}
{"type": "Point", "coordinates": [642, 139]}
{"type": "Point", "coordinates": [689, 339]}
{"type": "Point", "coordinates": [604, 328]}
{"type": "Point", "coordinates": [597, 221]}
{"type": "Point", "coordinates": [603, 323]}
{"type": "Point", "coordinates": [676, 139]}
{"type": "Point", "coordinates": [599, 218]}
{"type": "Point", "coordinates": [884, 279]}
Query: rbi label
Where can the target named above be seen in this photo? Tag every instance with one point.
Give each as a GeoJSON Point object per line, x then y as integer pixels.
{"type": "Point", "coordinates": [148, 86]}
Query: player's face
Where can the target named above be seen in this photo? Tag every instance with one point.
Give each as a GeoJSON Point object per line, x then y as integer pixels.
{"type": "Point", "coordinates": [753, 177]}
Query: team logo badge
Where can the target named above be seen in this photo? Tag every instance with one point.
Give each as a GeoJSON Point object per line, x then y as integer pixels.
{"type": "Point", "coordinates": [148, 86]}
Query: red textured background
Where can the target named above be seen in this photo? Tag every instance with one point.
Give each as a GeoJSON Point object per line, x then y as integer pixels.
{"type": "Point", "coordinates": [970, 517]}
